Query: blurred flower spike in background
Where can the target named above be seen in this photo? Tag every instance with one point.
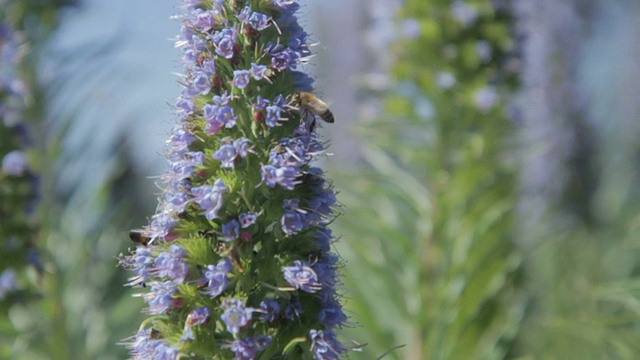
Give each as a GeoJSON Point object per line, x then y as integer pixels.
{"type": "Point", "coordinates": [18, 181]}
{"type": "Point", "coordinates": [239, 262]}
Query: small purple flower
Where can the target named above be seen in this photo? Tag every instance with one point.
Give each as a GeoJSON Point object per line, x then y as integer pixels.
{"type": "Point", "coordinates": [209, 67]}
{"type": "Point", "coordinates": [165, 352]}
{"type": "Point", "coordinates": [201, 83]}
{"type": "Point", "coordinates": [241, 78]}
{"type": "Point", "coordinates": [324, 345]}
{"type": "Point", "coordinates": [226, 154]}
{"type": "Point", "coordinates": [224, 41]}
{"type": "Point", "coordinates": [209, 198]}
{"type": "Point", "coordinates": [161, 224]}
{"type": "Point", "coordinates": [230, 230]}
{"type": "Point", "coordinates": [141, 263]}
{"type": "Point", "coordinates": [225, 48]}
{"type": "Point", "coordinates": [269, 309]}
{"type": "Point", "coordinates": [292, 222]}
{"type": "Point", "coordinates": [204, 20]}
{"type": "Point", "coordinates": [242, 147]}
{"type": "Point", "coordinates": [280, 101]}
{"type": "Point", "coordinates": [261, 103]}
{"type": "Point", "coordinates": [180, 140]}
{"type": "Point", "coordinates": [235, 315]}
{"type": "Point", "coordinates": [221, 100]}
{"type": "Point", "coordinates": [244, 15]}
{"type": "Point", "coordinates": [245, 349]}
{"type": "Point", "coordinates": [285, 176]}
{"type": "Point", "coordinates": [159, 298]}
{"type": "Point", "coordinates": [214, 124]}
{"type": "Point", "coordinates": [171, 264]}
{"type": "Point", "coordinates": [176, 202]}
{"type": "Point", "coordinates": [210, 111]}
{"type": "Point", "coordinates": [215, 277]}
{"type": "Point", "coordinates": [301, 276]}
{"type": "Point", "coordinates": [8, 282]}
{"type": "Point", "coordinates": [144, 346]}
{"type": "Point", "coordinates": [226, 116]}
{"type": "Point", "coordinates": [273, 115]}
{"type": "Point", "coordinates": [283, 59]}
{"type": "Point", "coordinates": [258, 71]}
{"type": "Point", "coordinates": [247, 220]}
{"type": "Point", "coordinates": [259, 21]}
{"type": "Point", "coordinates": [184, 106]}
{"type": "Point", "coordinates": [196, 317]}
{"type": "Point", "coordinates": [15, 163]}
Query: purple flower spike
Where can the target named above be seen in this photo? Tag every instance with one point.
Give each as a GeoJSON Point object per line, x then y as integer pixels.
{"type": "Point", "coordinates": [219, 243]}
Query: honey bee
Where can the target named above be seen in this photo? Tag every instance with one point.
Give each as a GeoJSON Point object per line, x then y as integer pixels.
{"type": "Point", "coordinates": [138, 237]}
{"type": "Point", "coordinates": [309, 102]}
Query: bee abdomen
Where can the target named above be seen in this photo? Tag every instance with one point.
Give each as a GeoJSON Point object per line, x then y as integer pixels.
{"type": "Point", "coordinates": [327, 116]}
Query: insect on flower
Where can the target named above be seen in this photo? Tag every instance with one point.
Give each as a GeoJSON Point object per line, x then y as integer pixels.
{"type": "Point", "coordinates": [309, 102]}
{"type": "Point", "coordinates": [138, 237]}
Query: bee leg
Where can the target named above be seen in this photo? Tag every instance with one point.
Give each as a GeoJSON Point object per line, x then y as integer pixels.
{"type": "Point", "coordinates": [310, 123]}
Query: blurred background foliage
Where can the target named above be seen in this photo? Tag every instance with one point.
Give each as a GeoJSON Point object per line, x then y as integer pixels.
{"type": "Point", "coordinates": [486, 153]}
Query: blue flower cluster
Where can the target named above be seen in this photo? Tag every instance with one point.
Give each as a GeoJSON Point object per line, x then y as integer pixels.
{"type": "Point", "coordinates": [238, 262]}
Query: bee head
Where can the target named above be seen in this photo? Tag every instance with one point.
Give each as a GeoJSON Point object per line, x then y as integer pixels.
{"type": "Point", "coordinates": [295, 98]}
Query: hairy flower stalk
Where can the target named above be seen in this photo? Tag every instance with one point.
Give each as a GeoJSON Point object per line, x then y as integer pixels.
{"type": "Point", "coordinates": [18, 184]}
{"type": "Point", "coordinates": [236, 261]}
